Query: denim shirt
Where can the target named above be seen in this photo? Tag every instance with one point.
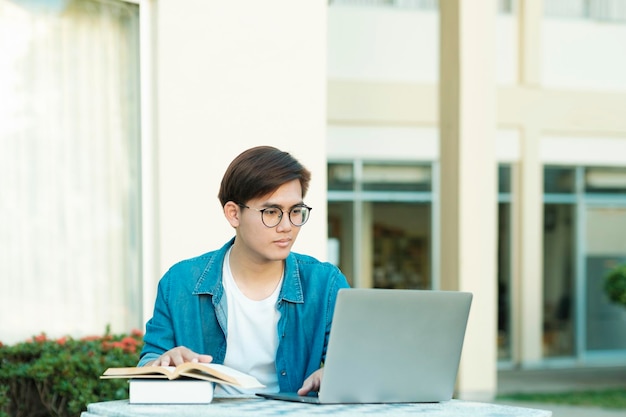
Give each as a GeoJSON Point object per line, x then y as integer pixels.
{"type": "Point", "coordinates": [190, 310]}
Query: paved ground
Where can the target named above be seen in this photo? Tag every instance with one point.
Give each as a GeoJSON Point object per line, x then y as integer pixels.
{"type": "Point", "coordinates": [558, 380]}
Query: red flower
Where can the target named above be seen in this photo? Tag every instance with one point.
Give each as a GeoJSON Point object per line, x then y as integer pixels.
{"type": "Point", "coordinates": [62, 341]}
{"type": "Point", "coordinates": [129, 341]}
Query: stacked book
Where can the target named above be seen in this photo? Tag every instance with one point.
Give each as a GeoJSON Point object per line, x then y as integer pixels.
{"type": "Point", "coordinates": [187, 383]}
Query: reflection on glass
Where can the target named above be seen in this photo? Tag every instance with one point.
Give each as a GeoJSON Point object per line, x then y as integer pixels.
{"type": "Point", "coordinates": [504, 281]}
{"type": "Point", "coordinates": [340, 177]}
{"type": "Point", "coordinates": [504, 179]}
{"type": "Point", "coordinates": [397, 245]}
{"type": "Point", "coordinates": [558, 283]}
{"type": "Point", "coordinates": [559, 180]}
{"type": "Point", "coordinates": [340, 227]}
{"type": "Point", "coordinates": [605, 180]}
{"type": "Point", "coordinates": [401, 245]}
{"type": "Point", "coordinates": [605, 247]}
{"type": "Point", "coordinates": [378, 177]}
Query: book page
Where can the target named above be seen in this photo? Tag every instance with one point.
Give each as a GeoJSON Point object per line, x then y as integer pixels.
{"type": "Point", "coordinates": [223, 373]}
{"type": "Point", "coordinates": [140, 372]}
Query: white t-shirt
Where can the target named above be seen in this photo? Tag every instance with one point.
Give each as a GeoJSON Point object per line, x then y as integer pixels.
{"type": "Point", "coordinates": [252, 337]}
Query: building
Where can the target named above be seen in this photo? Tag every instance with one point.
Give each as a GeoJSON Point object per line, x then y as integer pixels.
{"type": "Point", "coordinates": [118, 118]}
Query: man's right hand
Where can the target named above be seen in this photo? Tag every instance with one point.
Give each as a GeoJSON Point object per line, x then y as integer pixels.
{"type": "Point", "coordinates": [178, 355]}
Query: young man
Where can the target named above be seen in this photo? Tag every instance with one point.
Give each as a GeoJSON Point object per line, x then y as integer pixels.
{"type": "Point", "coordinates": [253, 304]}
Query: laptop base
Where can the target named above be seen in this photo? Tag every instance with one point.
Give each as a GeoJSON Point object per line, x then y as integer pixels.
{"type": "Point", "coordinates": [291, 396]}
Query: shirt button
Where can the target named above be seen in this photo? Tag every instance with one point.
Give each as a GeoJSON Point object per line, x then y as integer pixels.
{"type": "Point", "coordinates": [283, 373]}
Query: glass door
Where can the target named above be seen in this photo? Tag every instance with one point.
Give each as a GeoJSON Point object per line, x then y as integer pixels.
{"type": "Point", "coordinates": [605, 248]}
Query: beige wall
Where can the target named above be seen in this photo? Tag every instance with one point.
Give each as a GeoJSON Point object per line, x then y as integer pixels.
{"type": "Point", "coordinates": [231, 75]}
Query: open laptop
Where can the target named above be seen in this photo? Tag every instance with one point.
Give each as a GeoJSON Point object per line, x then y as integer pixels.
{"type": "Point", "coordinates": [388, 346]}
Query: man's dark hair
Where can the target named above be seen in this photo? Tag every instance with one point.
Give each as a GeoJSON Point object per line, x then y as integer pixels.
{"type": "Point", "coordinates": [259, 171]}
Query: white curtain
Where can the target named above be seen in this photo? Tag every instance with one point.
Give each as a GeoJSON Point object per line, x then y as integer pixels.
{"type": "Point", "coordinates": [70, 249]}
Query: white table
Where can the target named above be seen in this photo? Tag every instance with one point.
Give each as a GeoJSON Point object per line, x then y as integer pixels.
{"type": "Point", "coordinates": [258, 407]}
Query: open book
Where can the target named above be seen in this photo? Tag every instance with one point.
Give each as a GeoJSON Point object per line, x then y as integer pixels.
{"type": "Point", "coordinates": [213, 372]}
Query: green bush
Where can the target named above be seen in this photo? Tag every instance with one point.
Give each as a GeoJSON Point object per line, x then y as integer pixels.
{"type": "Point", "coordinates": [615, 285]}
{"type": "Point", "coordinates": [58, 378]}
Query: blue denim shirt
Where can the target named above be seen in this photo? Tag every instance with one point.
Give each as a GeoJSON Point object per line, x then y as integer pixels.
{"type": "Point", "coordinates": [190, 310]}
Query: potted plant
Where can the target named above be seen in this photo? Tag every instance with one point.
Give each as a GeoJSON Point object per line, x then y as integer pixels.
{"type": "Point", "coordinates": [615, 285]}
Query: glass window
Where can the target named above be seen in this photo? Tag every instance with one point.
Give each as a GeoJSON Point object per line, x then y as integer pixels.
{"type": "Point", "coordinates": [340, 233]}
{"type": "Point", "coordinates": [401, 245]}
{"type": "Point", "coordinates": [340, 177]}
{"type": "Point", "coordinates": [379, 177]}
{"type": "Point", "coordinates": [605, 180]}
{"type": "Point", "coordinates": [504, 179]}
{"type": "Point", "coordinates": [605, 249]}
{"type": "Point", "coordinates": [559, 273]}
{"type": "Point", "coordinates": [557, 180]}
{"type": "Point", "coordinates": [375, 242]}
{"type": "Point", "coordinates": [70, 161]}
{"type": "Point", "coordinates": [504, 263]}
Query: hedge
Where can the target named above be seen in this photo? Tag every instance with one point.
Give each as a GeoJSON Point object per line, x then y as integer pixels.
{"type": "Point", "coordinates": [42, 377]}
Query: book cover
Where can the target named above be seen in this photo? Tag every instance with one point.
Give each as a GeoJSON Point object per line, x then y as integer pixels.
{"type": "Point", "coordinates": [164, 391]}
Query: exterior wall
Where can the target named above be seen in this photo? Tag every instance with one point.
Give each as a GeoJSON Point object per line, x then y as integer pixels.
{"type": "Point", "coordinates": [559, 115]}
{"type": "Point", "coordinates": [381, 78]}
{"type": "Point", "coordinates": [228, 78]}
{"type": "Point", "coordinates": [401, 46]}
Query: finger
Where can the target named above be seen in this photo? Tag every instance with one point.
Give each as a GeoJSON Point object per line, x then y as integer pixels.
{"type": "Point", "coordinates": [188, 355]}
{"type": "Point", "coordinates": [205, 358]}
{"type": "Point", "coordinates": [304, 390]}
{"type": "Point", "coordinates": [177, 357]}
{"type": "Point", "coordinates": [307, 386]}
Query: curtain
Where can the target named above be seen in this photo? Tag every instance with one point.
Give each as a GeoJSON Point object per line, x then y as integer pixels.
{"type": "Point", "coordinates": [70, 249]}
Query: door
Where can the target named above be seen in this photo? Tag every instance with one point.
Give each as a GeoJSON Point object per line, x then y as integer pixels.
{"type": "Point", "coordinates": [605, 248]}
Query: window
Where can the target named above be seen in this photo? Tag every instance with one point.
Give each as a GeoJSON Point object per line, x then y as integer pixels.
{"type": "Point", "coordinates": [69, 167]}
{"type": "Point", "coordinates": [584, 219]}
{"type": "Point", "coordinates": [380, 223]}
{"type": "Point", "coordinates": [505, 281]}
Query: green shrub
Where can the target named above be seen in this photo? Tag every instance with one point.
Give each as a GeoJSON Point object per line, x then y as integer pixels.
{"type": "Point", "coordinates": [615, 285]}
{"type": "Point", "coordinates": [58, 378]}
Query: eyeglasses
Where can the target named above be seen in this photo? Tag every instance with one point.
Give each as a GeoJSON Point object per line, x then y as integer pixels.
{"type": "Point", "coordinates": [272, 216]}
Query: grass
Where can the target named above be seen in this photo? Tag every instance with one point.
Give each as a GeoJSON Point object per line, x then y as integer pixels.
{"type": "Point", "coordinates": [614, 398]}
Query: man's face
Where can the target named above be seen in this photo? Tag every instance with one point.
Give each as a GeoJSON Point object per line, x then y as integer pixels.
{"type": "Point", "coordinates": [270, 243]}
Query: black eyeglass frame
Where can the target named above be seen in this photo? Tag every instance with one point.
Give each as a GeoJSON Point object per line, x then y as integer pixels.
{"type": "Point", "coordinates": [282, 213]}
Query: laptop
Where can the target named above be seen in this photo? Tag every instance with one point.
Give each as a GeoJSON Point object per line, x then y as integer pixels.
{"type": "Point", "coordinates": [391, 346]}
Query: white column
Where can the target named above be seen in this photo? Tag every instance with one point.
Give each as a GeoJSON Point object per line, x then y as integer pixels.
{"type": "Point", "coordinates": [149, 192]}
{"type": "Point", "coordinates": [468, 181]}
{"type": "Point", "coordinates": [528, 240]}
{"type": "Point", "coordinates": [528, 235]}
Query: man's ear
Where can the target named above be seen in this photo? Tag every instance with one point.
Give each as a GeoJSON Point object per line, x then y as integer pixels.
{"type": "Point", "coordinates": [232, 211]}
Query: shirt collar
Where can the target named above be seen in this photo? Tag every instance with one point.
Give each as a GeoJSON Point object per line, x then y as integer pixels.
{"type": "Point", "coordinates": [210, 281]}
